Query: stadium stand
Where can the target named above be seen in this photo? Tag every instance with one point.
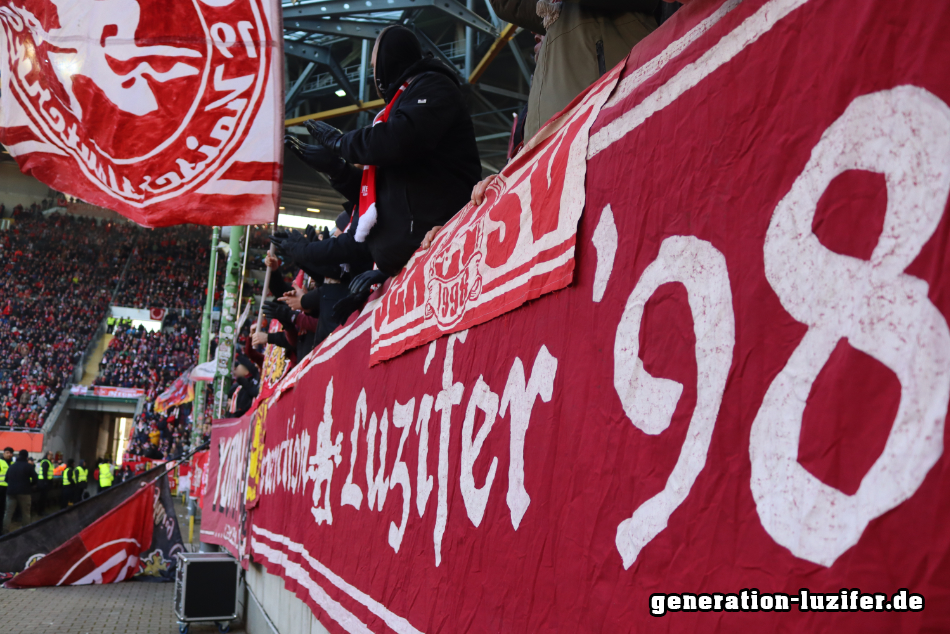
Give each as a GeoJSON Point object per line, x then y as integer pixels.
{"type": "Point", "coordinates": [152, 361]}
{"type": "Point", "coordinates": [169, 269]}
{"type": "Point", "coordinates": [62, 268]}
{"type": "Point", "coordinates": [59, 274]}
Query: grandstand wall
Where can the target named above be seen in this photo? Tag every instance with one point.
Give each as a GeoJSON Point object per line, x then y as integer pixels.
{"type": "Point", "coordinates": [17, 188]}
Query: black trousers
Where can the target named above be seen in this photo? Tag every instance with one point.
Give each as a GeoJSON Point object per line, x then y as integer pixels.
{"type": "Point", "coordinates": [42, 490]}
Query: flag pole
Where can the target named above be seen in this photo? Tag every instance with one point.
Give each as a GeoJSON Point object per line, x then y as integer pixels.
{"type": "Point", "coordinates": [247, 247]}
{"type": "Point", "coordinates": [267, 274]}
{"type": "Point", "coordinates": [229, 312]}
{"type": "Point", "coordinates": [198, 410]}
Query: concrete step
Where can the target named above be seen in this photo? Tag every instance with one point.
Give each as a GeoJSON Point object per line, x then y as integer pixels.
{"type": "Point", "coordinates": [91, 370]}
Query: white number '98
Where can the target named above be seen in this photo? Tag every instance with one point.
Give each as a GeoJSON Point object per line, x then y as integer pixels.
{"type": "Point", "coordinates": [903, 133]}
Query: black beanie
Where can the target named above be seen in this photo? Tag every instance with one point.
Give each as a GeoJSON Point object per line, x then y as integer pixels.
{"type": "Point", "coordinates": [342, 221]}
{"type": "Point", "coordinates": [240, 359]}
{"type": "Point", "coordinates": [398, 49]}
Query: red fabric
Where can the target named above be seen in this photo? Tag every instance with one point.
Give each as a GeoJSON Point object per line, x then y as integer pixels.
{"type": "Point", "coordinates": [277, 363]}
{"type": "Point", "coordinates": [145, 110]}
{"type": "Point", "coordinates": [182, 390]}
{"type": "Point", "coordinates": [107, 551]}
{"type": "Point", "coordinates": [708, 407]}
{"type": "Point", "coordinates": [199, 475]}
{"type": "Point", "coordinates": [223, 508]}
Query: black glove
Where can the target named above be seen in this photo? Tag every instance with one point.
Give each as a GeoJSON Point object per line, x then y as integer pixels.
{"type": "Point", "coordinates": [362, 282]}
{"type": "Point", "coordinates": [325, 134]}
{"type": "Point", "coordinates": [317, 157]}
{"type": "Point", "coordinates": [291, 245]}
{"type": "Point", "coordinates": [279, 311]}
{"type": "Point", "coordinates": [310, 233]}
{"type": "Point", "coordinates": [347, 306]}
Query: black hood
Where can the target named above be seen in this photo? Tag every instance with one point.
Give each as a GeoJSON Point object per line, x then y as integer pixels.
{"type": "Point", "coordinates": [396, 50]}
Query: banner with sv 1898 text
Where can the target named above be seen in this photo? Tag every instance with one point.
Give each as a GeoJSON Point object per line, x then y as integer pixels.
{"type": "Point", "coordinates": [164, 112]}
{"type": "Point", "coordinates": [732, 420]}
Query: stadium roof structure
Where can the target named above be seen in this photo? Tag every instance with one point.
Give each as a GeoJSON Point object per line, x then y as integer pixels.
{"type": "Point", "coordinates": [328, 44]}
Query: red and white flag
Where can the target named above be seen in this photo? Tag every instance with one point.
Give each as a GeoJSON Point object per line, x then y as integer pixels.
{"type": "Point", "coordinates": [108, 551]}
{"type": "Point", "coordinates": [165, 112]}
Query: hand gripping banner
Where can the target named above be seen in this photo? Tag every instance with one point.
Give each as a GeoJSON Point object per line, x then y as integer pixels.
{"type": "Point", "coordinates": [165, 112]}
{"type": "Point", "coordinates": [732, 419]}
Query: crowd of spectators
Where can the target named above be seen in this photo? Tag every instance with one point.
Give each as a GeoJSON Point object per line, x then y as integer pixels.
{"type": "Point", "coordinates": [59, 273]}
{"type": "Point", "coordinates": [169, 269]}
{"type": "Point", "coordinates": [151, 360]}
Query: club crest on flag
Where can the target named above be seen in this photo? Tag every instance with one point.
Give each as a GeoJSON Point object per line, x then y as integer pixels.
{"type": "Point", "coordinates": [453, 278]}
{"type": "Point", "coordinates": [143, 101]}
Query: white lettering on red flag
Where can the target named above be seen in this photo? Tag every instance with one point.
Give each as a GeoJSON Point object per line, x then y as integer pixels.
{"type": "Point", "coordinates": [164, 112]}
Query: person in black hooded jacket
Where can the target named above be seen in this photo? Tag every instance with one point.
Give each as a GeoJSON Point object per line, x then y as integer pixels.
{"type": "Point", "coordinates": [425, 153]}
{"type": "Point", "coordinates": [245, 387]}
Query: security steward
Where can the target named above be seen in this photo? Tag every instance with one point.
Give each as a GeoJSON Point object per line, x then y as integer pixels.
{"type": "Point", "coordinates": [69, 484]}
{"type": "Point", "coordinates": [106, 475]}
{"type": "Point", "coordinates": [44, 474]}
{"type": "Point", "coordinates": [5, 460]}
{"type": "Point", "coordinates": [82, 478]}
{"type": "Point", "coordinates": [419, 161]}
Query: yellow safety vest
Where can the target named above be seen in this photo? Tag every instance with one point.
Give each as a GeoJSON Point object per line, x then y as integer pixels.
{"type": "Point", "coordinates": [3, 472]}
{"type": "Point", "coordinates": [82, 474]}
{"type": "Point", "coordinates": [39, 468]}
{"type": "Point", "coordinates": [105, 475]}
{"type": "Point", "coordinates": [66, 477]}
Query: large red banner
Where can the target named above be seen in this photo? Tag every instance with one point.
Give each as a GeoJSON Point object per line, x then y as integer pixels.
{"type": "Point", "coordinates": [731, 420]}
{"type": "Point", "coordinates": [222, 511]}
{"type": "Point", "coordinates": [165, 112]}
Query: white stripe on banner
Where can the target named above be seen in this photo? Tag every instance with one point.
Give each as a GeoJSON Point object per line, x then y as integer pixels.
{"type": "Point", "coordinates": [295, 571]}
{"type": "Point", "coordinates": [28, 147]}
{"type": "Point", "coordinates": [754, 27]}
{"type": "Point", "coordinates": [237, 188]}
{"type": "Point", "coordinates": [394, 622]}
{"type": "Point", "coordinates": [633, 81]}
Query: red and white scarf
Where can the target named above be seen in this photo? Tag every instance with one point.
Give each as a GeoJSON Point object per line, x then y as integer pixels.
{"type": "Point", "coordinates": [368, 184]}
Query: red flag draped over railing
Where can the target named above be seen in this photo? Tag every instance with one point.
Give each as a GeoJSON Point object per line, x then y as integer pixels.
{"type": "Point", "coordinates": [108, 551]}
